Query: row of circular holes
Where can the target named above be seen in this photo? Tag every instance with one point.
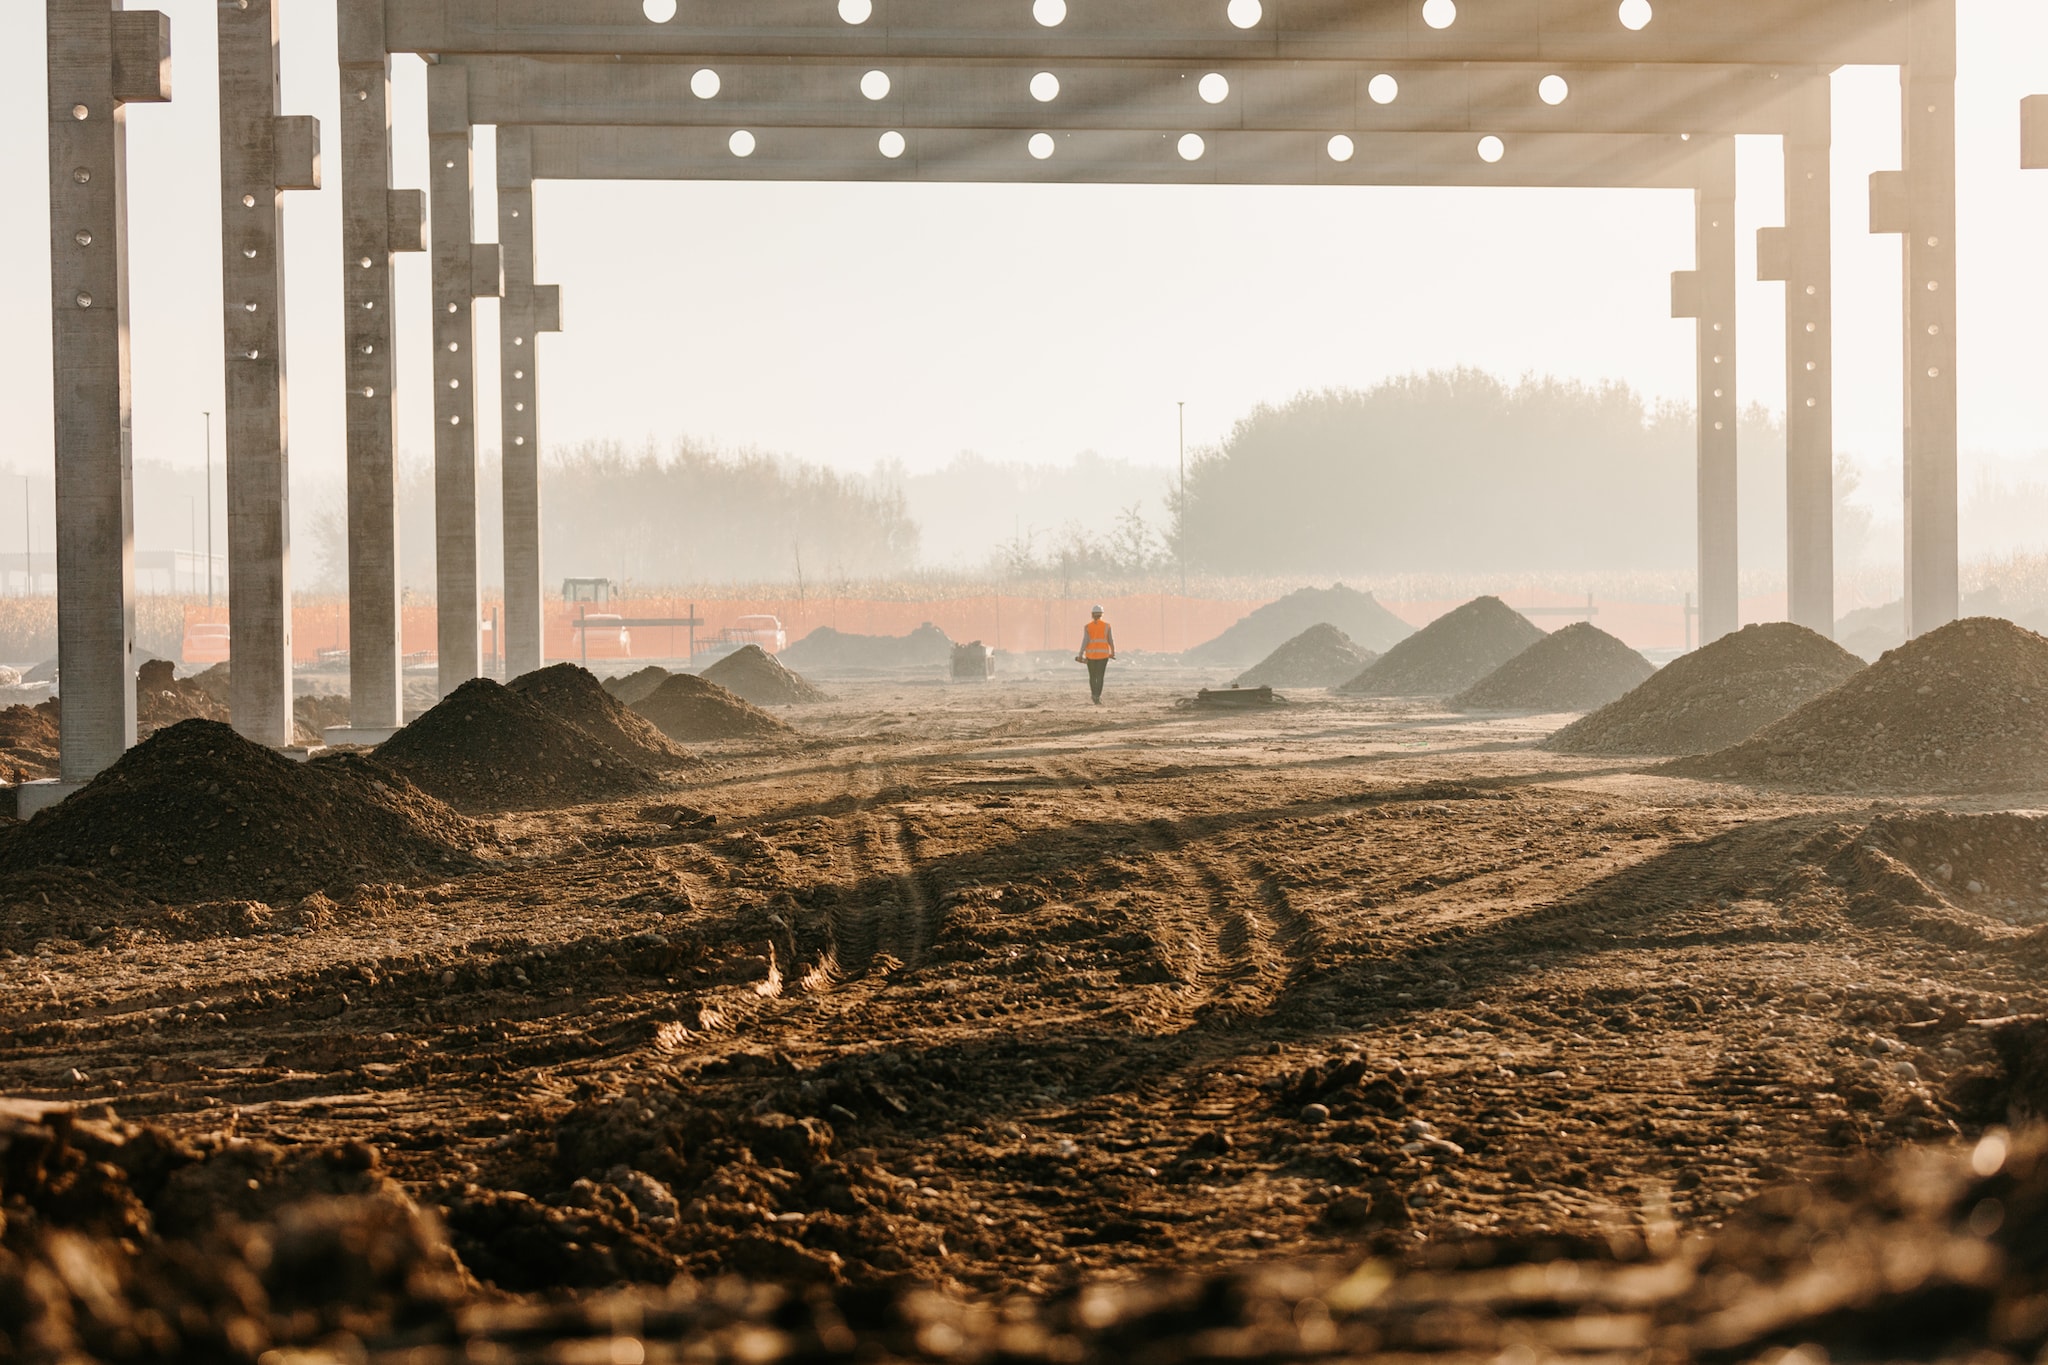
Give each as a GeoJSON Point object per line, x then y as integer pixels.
{"type": "Point", "coordinates": [1213, 88]}
{"type": "Point", "coordinates": [1042, 145]}
{"type": "Point", "coordinates": [1634, 14]}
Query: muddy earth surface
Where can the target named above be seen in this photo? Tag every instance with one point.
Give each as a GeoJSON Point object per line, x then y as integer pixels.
{"type": "Point", "coordinates": [987, 989]}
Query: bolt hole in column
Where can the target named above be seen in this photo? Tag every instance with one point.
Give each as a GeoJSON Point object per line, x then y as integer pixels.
{"type": "Point", "coordinates": [705, 84]}
{"type": "Point", "coordinates": [82, 176]}
{"type": "Point", "coordinates": [1636, 15]}
{"type": "Point", "coordinates": [1041, 146]}
{"type": "Point", "coordinates": [85, 300]}
{"type": "Point", "coordinates": [856, 11]}
{"type": "Point", "coordinates": [1553, 90]}
{"type": "Point", "coordinates": [658, 11]}
{"type": "Point", "coordinates": [83, 238]}
{"type": "Point", "coordinates": [248, 201]}
{"type": "Point", "coordinates": [1214, 88]}
{"type": "Point", "coordinates": [1342, 148]}
{"type": "Point", "coordinates": [741, 143]}
{"type": "Point", "coordinates": [1245, 13]}
{"type": "Point", "coordinates": [1045, 87]}
{"type": "Point", "coordinates": [1492, 149]}
{"type": "Point", "coordinates": [1049, 13]}
{"type": "Point", "coordinates": [875, 85]}
{"type": "Point", "coordinates": [1439, 13]}
{"type": "Point", "coordinates": [80, 112]}
{"type": "Point", "coordinates": [1191, 147]}
{"type": "Point", "coordinates": [1383, 89]}
{"type": "Point", "coordinates": [892, 144]}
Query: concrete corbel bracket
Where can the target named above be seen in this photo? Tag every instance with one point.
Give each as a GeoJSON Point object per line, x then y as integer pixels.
{"type": "Point", "coordinates": [547, 308]}
{"type": "Point", "coordinates": [295, 146]}
{"type": "Point", "coordinates": [406, 219]}
{"type": "Point", "coordinates": [142, 57]}
{"type": "Point", "coordinates": [1685, 294]}
{"type": "Point", "coordinates": [1890, 206]}
{"type": "Point", "coordinates": [1773, 255]}
{"type": "Point", "coordinates": [2034, 133]}
{"type": "Point", "coordinates": [486, 271]}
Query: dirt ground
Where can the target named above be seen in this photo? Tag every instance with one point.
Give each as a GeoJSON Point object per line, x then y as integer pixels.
{"type": "Point", "coordinates": [992, 989]}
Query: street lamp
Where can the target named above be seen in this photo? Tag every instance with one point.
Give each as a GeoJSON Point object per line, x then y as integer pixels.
{"type": "Point", "coordinates": [209, 510]}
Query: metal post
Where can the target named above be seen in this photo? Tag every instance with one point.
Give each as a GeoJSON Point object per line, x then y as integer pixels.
{"type": "Point", "coordinates": [209, 510]}
{"type": "Point", "coordinates": [518, 352]}
{"type": "Point", "coordinates": [1802, 255]}
{"type": "Point", "coordinates": [98, 59]}
{"type": "Point", "coordinates": [376, 221]}
{"type": "Point", "coordinates": [1707, 294]}
{"type": "Point", "coordinates": [1928, 83]}
{"type": "Point", "coordinates": [262, 154]}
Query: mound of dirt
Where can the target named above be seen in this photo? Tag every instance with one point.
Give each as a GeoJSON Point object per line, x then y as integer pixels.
{"type": "Point", "coordinates": [487, 748]}
{"type": "Point", "coordinates": [1355, 614]}
{"type": "Point", "coordinates": [213, 682]}
{"type": "Point", "coordinates": [1321, 656]}
{"type": "Point", "coordinates": [1450, 653]}
{"type": "Point", "coordinates": [1960, 709]}
{"type": "Point", "coordinates": [693, 710]}
{"type": "Point", "coordinates": [316, 713]}
{"type": "Point", "coordinates": [574, 695]}
{"type": "Point", "coordinates": [1716, 696]}
{"type": "Point", "coordinates": [1967, 880]}
{"type": "Point", "coordinates": [1574, 669]}
{"type": "Point", "coordinates": [631, 687]}
{"type": "Point", "coordinates": [825, 650]}
{"type": "Point", "coordinates": [163, 699]}
{"type": "Point", "coordinates": [753, 674]}
{"type": "Point", "coordinates": [28, 743]}
{"type": "Point", "coordinates": [198, 813]}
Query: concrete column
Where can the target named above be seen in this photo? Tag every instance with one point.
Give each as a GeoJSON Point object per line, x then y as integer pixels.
{"type": "Point", "coordinates": [461, 272]}
{"type": "Point", "coordinates": [1707, 295]}
{"type": "Point", "coordinates": [376, 221]}
{"type": "Point", "coordinates": [1928, 83]}
{"type": "Point", "coordinates": [1801, 254]}
{"type": "Point", "coordinates": [261, 155]}
{"type": "Point", "coordinates": [98, 60]}
{"type": "Point", "coordinates": [2034, 133]}
{"type": "Point", "coordinates": [518, 354]}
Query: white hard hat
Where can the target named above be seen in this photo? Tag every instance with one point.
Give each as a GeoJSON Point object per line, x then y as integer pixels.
{"type": "Point", "coordinates": [1095, 610]}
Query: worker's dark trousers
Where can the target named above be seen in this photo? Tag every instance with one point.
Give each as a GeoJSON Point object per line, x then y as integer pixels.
{"type": "Point", "coordinates": [1096, 669]}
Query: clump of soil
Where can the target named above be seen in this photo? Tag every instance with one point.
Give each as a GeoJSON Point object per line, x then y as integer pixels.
{"type": "Point", "coordinates": [213, 681]}
{"type": "Point", "coordinates": [826, 649]}
{"type": "Point", "coordinates": [1968, 880]}
{"type": "Point", "coordinates": [487, 748]}
{"type": "Point", "coordinates": [162, 699]}
{"type": "Point", "coordinates": [28, 743]}
{"type": "Point", "coordinates": [694, 710]}
{"type": "Point", "coordinates": [574, 695]}
{"type": "Point", "coordinates": [313, 715]}
{"type": "Point", "coordinates": [632, 687]}
{"type": "Point", "coordinates": [755, 675]}
{"type": "Point", "coordinates": [1575, 669]}
{"type": "Point", "coordinates": [1321, 656]}
{"type": "Point", "coordinates": [1718, 695]}
{"type": "Point", "coordinates": [196, 813]}
{"type": "Point", "coordinates": [1963, 708]}
{"type": "Point", "coordinates": [1450, 653]}
{"type": "Point", "coordinates": [1355, 614]}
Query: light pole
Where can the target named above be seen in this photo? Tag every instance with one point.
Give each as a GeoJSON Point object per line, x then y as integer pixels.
{"type": "Point", "coordinates": [191, 535]}
{"type": "Point", "coordinates": [28, 559]}
{"type": "Point", "coordinates": [209, 510]}
{"type": "Point", "coordinates": [1183, 538]}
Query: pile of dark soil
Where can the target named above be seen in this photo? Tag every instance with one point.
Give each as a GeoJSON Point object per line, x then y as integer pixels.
{"type": "Point", "coordinates": [1321, 656]}
{"type": "Point", "coordinates": [1717, 695]}
{"type": "Point", "coordinates": [631, 687]}
{"type": "Point", "coordinates": [693, 710]}
{"type": "Point", "coordinates": [28, 743]}
{"type": "Point", "coordinates": [755, 675]}
{"type": "Point", "coordinates": [1357, 615]}
{"type": "Point", "coordinates": [196, 812]}
{"type": "Point", "coordinates": [163, 699]}
{"type": "Point", "coordinates": [221, 1249]}
{"type": "Point", "coordinates": [1450, 653]}
{"type": "Point", "coordinates": [1575, 669]}
{"type": "Point", "coordinates": [1963, 708]}
{"type": "Point", "coordinates": [487, 748]}
{"type": "Point", "coordinates": [572, 694]}
{"type": "Point", "coordinates": [826, 650]}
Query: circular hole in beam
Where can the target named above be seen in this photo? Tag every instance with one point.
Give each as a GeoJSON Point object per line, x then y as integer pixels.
{"type": "Point", "coordinates": [875, 85]}
{"type": "Point", "coordinates": [1636, 15]}
{"type": "Point", "coordinates": [1492, 149]}
{"type": "Point", "coordinates": [1214, 88]}
{"type": "Point", "coordinates": [1049, 13]}
{"type": "Point", "coordinates": [1245, 13]}
{"type": "Point", "coordinates": [1553, 90]}
{"type": "Point", "coordinates": [706, 84]}
{"type": "Point", "coordinates": [1383, 89]}
{"type": "Point", "coordinates": [856, 11]}
{"type": "Point", "coordinates": [1439, 13]}
{"type": "Point", "coordinates": [1192, 146]}
{"type": "Point", "coordinates": [741, 143]}
{"type": "Point", "coordinates": [1041, 146]}
{"type": "Point", "coordinates": [1342, 148]}
{"type": "Point", "coordinates": [658, 11]}
{"type": "Point", "coordinates": [1045, 87]}
{"type": "Point", "coordinates": [892, 144]}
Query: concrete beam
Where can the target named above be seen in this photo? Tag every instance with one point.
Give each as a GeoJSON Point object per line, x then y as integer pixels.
{"type": "Point", "coordinates": [1112, 156]}
{"type": "Point", "coordinates": [94, 63]}
{"type": "Point", "coordinates": [2034, 133]}
{"type": "Point", "coordinates": [1812, 32]}
{"type": "Point", "coordinates": [258, 150]}
{"type": "Point", "coordinates": [457, 591]}
{"type": "Point", "coordinates": [374, 225]}
{"type": "Point", "coordinates": [518, 384]}
{"type": "Point", "coordinates": [1349, 97]}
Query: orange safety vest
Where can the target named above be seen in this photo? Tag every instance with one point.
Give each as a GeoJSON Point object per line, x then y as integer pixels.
{"type": "Point", "coordinates": [1095, 640]}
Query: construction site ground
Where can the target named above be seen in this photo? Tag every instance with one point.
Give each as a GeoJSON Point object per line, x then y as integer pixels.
{"type": "Point", "coordinates": [1057, 992]}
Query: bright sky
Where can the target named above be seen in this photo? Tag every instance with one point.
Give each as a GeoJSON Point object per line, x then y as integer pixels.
{"type": "Point", "coordinates": [849, 324]}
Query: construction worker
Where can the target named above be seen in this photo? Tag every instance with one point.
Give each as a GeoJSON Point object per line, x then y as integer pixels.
{"type": "Point", "coordinates": [1098, 647]}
